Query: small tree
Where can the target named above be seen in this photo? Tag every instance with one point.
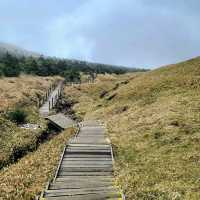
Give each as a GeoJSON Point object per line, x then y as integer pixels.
{"type": "Point", "coordinates": [11, 68]}
{"type": "Point", "coordinates": [72, 76]}
{"type": "Point", "coordinates": [1, 69]}
{"type": "Point", "coordinates": [17, 115]}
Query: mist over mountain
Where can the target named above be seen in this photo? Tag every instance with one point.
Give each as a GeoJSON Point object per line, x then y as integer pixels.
{"type": "Point", "coordinates": [15, 51]}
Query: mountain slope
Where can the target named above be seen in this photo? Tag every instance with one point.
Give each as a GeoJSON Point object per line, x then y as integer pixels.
{"type": "Point", "coordinates": [154, 123]}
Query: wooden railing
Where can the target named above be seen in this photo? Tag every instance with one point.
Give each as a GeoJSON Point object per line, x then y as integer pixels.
{"type": "Point", "coordinates": [52, 95]}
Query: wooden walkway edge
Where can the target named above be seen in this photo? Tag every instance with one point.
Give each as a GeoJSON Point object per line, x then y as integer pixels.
{"type": "Point", "coordinates": [85, 170]}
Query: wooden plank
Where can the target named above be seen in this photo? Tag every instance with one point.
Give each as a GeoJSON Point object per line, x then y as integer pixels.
{"type": "Point", "coordinates": [86, 151]}
{"type": "Point", "coordinates": [87, 156]}
{"type": "Point", "coordinates": [89, 165]}
{"type": "Point", "coordinates": [68, 159]}
{"type": "Point", "coordinates": [61, 173]}
{"type": "Point", "coordinates": [70, 179]}
{"type": "Point", "coordinates": [85, 169]}
{"type": "Point", "coordinates": [88, 145]}
{"type": "Point", "coordinates": [79, 185]}
{"type": "Point", "coordinates": [85, 197]}
{"type": "Point", "coordinates": [85, 162]}
{"type": "Point", "coordinates": [84, 191]}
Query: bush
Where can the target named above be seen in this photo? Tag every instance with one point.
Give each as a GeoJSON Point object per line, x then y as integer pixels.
{"type": "Point", "coordinates": [18, 116]}
{"type": "Point", "coordinates": [11, 66]}
{"type": "Point", "coordinates": [1, 69]}
{"type": "Point", "coordinates": [11, 71]}
{"type": "Point", "coordinates": [72, 76]}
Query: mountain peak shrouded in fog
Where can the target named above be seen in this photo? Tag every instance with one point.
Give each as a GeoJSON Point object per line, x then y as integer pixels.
{"type": "Point", "coordinates": [15, 50]}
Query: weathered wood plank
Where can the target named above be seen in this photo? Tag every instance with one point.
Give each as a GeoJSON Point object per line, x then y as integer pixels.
{"type": "Point", "coordinates": [87, 156]}
{"type": "Point", "coordinates": [84, 169]}
{"type": "Point", "coordinates": [62, 173]}
{"type": "Point", "coordinates": [87, 179]}
{"type": "Point", "coordinates": [94, 159]}
{"type": "Point", "coordinates": [80, 184]}
{"type": "Point", "coordinates": [86, 162]}
{"type": "Point", "coordinates": [84, 191]}
{"type": "Point", "coordinates": [84, 197]}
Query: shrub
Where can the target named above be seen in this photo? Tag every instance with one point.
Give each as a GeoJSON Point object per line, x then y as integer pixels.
{"type": "Point", "coordinates": [11, 66]}
{"type": "Point", "coordinates": [18, 116]}
{"type": "Point", "coordinates": [1, 69]}
{"type": "Point", "coordinates": [72, 76]}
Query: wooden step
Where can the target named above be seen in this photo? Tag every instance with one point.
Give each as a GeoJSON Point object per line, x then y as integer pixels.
{"type": "Point", "coordinates": [86, 169]}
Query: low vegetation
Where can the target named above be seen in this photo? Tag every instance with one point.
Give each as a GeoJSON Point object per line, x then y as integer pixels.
{"type": "Point", "coordinates": [28, 177]}
{"type": "Point", "coordinates": [153, 120]}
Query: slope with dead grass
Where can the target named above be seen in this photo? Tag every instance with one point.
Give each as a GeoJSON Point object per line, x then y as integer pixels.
{"type": "Point", "coordinates": [29, 175]}
{"type": "Point", "coordinates": [23, 93]}
{"type": "Point", "coordinates": [23, 89]}
{"type": "Point", "coordinates": [153, 120]}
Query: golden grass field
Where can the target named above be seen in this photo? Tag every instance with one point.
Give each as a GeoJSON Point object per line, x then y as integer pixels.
{"type": "Point", "coordinates": [153, 120]}
{"type": "Point", "coordinates": [15, 90]}
{"type": "Point", "coordinates": [20, 91]}
{"type": "Point", "coordinates": [28, 177]}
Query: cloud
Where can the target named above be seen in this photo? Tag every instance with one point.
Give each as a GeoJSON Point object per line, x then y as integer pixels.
{"type": "Point", "coordinates": [136, 33]}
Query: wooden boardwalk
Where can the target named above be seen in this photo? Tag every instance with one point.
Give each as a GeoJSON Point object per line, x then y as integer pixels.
{"type": "Point", "coordinates": [85, 171]}
{"type": "Point", "coordinates": [51, 100]}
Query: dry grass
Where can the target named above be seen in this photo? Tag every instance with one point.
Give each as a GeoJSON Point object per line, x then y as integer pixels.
{"type": "Point", "coordinates": [21, 91]}
{"type": "Point", "coordinates": [28, 177]}
{"type": "Point", "coordinates": [154, 124]}
{"type": "Point", "coordinates": [15, 141]}
{"type": "Point", "coordinates": [15, 90]}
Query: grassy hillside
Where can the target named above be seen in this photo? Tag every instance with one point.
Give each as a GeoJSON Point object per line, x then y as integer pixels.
{"type": "Point", "coordinates": [23, 89]}
{"type": "Point", "coordinates": [20, 92]}
{"type": "Point", "coordinates": [153, 120]}
{"type": "Point", "coordinates": [28, 177]}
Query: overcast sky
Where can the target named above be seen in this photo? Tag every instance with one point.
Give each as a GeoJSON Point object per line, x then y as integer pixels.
{"type": "Point", "coordinates": [135, 33]}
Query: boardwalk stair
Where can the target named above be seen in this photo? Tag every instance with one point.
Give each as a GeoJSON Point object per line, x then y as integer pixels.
{"type": "Point", "coordinates": [85, 170]}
